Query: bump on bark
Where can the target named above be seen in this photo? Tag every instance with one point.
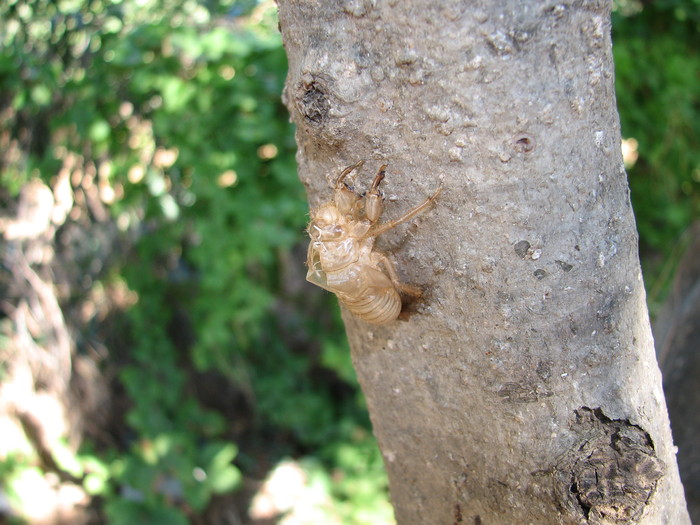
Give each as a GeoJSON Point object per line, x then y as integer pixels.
{"type": "Point", "coordinates": [614, 471]}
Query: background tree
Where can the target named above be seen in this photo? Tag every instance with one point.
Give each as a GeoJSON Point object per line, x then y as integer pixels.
{"type": "Point", "coordinates": [525, 387]}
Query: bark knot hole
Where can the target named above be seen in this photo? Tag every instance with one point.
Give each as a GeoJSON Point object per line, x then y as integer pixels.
{"type": "Point", "coordinates": [524, 143]}
{"type": "Point", "coordinates": [521, 248]}
{"type": "Point", "coordinates": [314, 104]}
{"type": "Point", "coordinates": [615, 470]}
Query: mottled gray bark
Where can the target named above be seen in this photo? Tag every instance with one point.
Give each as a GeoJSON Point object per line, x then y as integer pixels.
{"type": "Point", "coordinates": [524, 387]}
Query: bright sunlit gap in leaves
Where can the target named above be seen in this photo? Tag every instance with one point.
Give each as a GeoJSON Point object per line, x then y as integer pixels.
{"type": "Point", "coordinates": [227, 178]}
{"type": "Point", "coordinates": [630, 152]}
{"type": "Point", "coordinates": [165, 158]}
{"type": "Point", "coordinates": [301, 493]}
{"type": "Point", "coordinates": [267, 151]}
{"type": "Point", "coordinates": [227, 72]}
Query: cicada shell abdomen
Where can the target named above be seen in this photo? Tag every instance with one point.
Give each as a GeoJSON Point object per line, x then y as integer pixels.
{"type": "Point", "coordinates": [381, 307]}
{"type": "Point", "coordinates": [377, 302]}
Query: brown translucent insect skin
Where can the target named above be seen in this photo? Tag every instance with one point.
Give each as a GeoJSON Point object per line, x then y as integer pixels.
{"type": "Point", "coordinates": [342, 258]}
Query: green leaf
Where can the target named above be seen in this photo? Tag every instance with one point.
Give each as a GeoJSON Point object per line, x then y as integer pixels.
{"type": "Point", "coordinates": [41, 95]}
{"type": "Point", "coordinates": [99, 131]}
{"type": "Point", "coordinates": [224, 480]}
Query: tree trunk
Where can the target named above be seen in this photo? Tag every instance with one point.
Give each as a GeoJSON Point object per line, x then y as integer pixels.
{"type": "Point", "coordinates": [524, 387]}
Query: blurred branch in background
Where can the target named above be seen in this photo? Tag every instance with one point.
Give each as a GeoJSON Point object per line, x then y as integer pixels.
{"type": "Point", "coordinates": [163, 360]}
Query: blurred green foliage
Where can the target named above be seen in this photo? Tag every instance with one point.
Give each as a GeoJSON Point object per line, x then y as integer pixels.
{"type": "Point", "coordinates": [172, 111]}
{"type": "Point", "coordinates": [657, 63]}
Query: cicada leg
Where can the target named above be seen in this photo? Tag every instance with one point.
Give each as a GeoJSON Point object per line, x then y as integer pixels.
{"type": "Point", "coordinates": [345, 198]}
{"type": "Point", "coordinates": [374, 198]}
{"type": "Point", "coordinates": [381, 228]}
{"type": "Point", "coordinates": [347, 171]}
{"type": "Point", "coordinates": [380, 258]}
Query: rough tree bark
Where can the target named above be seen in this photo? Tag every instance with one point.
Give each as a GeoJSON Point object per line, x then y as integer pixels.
{"type": "Point", "coordinates": [524, 387]}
